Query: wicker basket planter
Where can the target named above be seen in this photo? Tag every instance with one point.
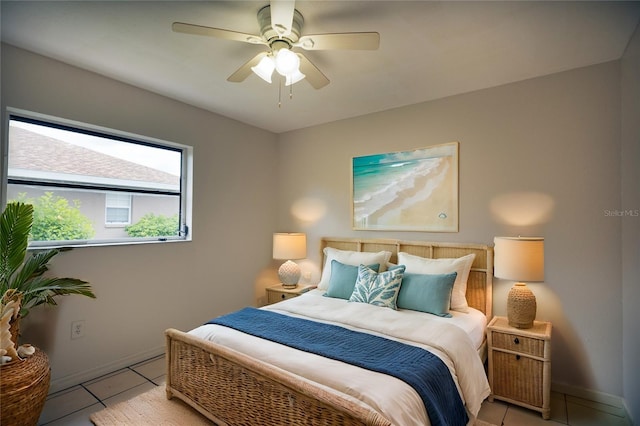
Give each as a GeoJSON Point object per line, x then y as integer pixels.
{"type": "Point", "coordinates": [23, 389]}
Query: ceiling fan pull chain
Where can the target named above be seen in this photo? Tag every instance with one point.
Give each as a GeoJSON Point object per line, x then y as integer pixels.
{"type": "Point", "coordinates": [291, 91]}
{"type": "Point", "coordinates": [279, 93]}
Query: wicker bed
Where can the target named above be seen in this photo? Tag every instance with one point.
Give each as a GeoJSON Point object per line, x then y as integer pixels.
{"type": "Point", "coordinates": [231, 388]}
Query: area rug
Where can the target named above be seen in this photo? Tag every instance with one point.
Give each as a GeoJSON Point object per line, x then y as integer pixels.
{"type": "Point", "coordinates": [150, 408]}
{"type": "Point", "coordinates": [153, 408]}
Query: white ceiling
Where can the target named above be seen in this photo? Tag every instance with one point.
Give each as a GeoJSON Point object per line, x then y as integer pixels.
{"type": "Point", "coordinates": [428, 50]}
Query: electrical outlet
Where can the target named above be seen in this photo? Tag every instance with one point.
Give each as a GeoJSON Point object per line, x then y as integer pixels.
{"type": "Point", "coordinates": [307, 275]}
{"type": "Point", "coordinates": [77, 329]}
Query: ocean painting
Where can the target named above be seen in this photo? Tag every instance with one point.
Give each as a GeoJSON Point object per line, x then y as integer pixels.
{"type": "Point", "coordinates": [407, 191]}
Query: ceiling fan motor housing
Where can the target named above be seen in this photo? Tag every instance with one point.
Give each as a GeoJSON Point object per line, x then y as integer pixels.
{"type": "Point", "coordinates": [272, 36]}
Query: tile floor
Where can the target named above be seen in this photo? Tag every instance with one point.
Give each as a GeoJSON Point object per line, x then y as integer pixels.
{"type": "Point", "coordinates": [71, 407]}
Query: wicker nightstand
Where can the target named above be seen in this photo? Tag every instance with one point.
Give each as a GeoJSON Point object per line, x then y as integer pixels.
{"type": "Point", "coordinates": [279, 293]}
{"type": "Point", "coordinates": [520, 364]}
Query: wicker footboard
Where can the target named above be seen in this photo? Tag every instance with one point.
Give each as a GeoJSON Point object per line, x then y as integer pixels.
{"type": "Point", "coordinates": [231, 388]}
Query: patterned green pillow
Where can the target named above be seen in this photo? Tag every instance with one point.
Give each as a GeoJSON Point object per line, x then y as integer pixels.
{"type": "Point", "coordinates": [380, 289]}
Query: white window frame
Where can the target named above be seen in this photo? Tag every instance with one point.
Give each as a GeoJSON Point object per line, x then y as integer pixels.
{"type": "Point", "coordinates": [112, 200]}
{"type": "Point", "coordinates": [186, 177]}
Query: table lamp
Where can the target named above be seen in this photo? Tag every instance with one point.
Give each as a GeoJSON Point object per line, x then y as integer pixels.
{"type": "Point", "coordinates": [289, 246]}
{"type": "Point", "coordinates": [520, 259]}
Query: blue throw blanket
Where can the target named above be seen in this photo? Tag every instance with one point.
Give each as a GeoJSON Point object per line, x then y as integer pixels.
{"type": "Point", "coordinates": [419, 368]}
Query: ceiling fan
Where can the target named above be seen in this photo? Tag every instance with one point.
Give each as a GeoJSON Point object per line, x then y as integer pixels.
{"type": "Point", "coordinates": [280, 30]}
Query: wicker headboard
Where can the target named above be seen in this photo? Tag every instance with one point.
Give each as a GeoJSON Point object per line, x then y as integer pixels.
{"type": "Point", "coordinates": [480, 282]}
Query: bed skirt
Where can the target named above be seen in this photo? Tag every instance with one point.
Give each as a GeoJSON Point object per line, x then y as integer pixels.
{"type": "Point", "coordinates": [230, 388]}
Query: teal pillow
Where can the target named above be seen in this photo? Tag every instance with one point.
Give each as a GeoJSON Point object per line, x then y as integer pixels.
{"type": "Point", "coordinates": [380, 289]}
{"type": "Point", "coordinates": [427, 293]}
{"type": "Point", "coordinates": [343, 279]}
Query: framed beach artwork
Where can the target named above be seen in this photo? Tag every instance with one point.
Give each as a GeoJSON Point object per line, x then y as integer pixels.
{"type": "Point", "coordinates": [407, 191]}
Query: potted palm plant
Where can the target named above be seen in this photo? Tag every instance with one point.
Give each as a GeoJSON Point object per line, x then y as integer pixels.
{"type": "Point", "coordinates": [26, 274]}
{"type": "Point", "coordinates": [24, 383]}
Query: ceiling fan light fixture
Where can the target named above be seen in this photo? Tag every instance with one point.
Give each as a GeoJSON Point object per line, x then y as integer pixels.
{"type": "Point", "coordinates": [293, 78]}
{"type": "Point", "coordinates": [265, 68]}
{"type": "Point", "coordinates": [287, 62]}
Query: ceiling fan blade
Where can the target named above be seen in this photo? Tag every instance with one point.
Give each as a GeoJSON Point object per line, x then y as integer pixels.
{"type": "Point", "coordinates": [181, 27]}
{"type": "Point", "coordinates": [345, 41]}
{"type": "Point", "coordinates": [245, 70]}
{"type": "Point", "coordinates": [313, 75]}
{"type": "Point", "coordinates": [282, 16]}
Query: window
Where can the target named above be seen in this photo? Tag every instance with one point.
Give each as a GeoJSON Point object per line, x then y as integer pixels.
{"type": "Point", "coordinates": [118, 209]}
{"type": "Point", "coordinates": [92, 185]}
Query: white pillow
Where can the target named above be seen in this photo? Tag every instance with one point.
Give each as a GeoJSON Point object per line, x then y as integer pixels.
{"type": "Point", "coordinates": [462, 265]}
{"type": "Point", "coordinates": [355, 258]}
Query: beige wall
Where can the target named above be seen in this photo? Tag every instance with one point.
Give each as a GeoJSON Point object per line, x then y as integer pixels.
{"type": "Point", "coordinates": [144, 289]}
{"type": "Point", "coordinates": [557, 137]}
{"type": "Point", "coordinates": [630, 155]}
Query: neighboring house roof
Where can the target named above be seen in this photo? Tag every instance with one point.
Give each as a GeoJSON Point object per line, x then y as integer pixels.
{"type": "Point", "coordinates": [39, 153]}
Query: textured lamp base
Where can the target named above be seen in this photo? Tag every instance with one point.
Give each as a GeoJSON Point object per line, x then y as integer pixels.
{"type": "Point", "coordinates": [521, 306]}
{"type": "Point", "coordinates": [289, 274]}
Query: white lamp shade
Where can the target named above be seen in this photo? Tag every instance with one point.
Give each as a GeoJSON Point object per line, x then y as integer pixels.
{"type": "Point", "coordinates": [293, 78]}
{"type": "Point", "coordinates": [287, 62]}
{"type": "Point", "coordinates": [265, 68]}
{"type": "Point", "coordinates": [519, 258]}
{"type": "Point", "coordinates": [289, 246]}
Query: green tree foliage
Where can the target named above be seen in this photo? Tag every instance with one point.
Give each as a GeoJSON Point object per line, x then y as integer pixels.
{"type": "Point", "coordinates": [54, 219]}
{"type": "Point", "coordinates": [151, 225]}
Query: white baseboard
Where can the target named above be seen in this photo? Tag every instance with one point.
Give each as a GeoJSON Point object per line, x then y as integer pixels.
{"type": "Point", "coordinates": [84, 376]}
{"type": "Point", "coordinates": [627, 412]}
{"type": "Point", "coordinates": [602, 401]}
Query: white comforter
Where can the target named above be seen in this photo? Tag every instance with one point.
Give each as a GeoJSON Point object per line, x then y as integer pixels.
{"type": "Point", "coordinates": [391, 397]}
